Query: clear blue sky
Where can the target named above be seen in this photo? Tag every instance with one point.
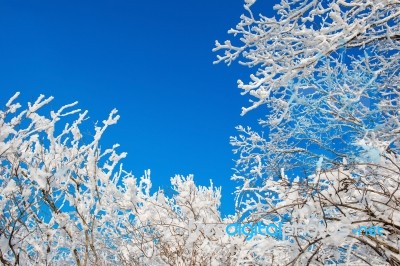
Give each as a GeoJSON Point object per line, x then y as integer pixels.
{"type": "Point", "coordinates": [151, 60]}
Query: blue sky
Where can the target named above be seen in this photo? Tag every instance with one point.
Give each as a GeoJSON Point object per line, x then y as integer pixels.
{"type": "Point", "coordinates": [151, 60]}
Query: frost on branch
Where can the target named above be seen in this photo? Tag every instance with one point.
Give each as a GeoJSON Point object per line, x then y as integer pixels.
{"type": "Point", "coordinates": [66, 201]}
{"type": "Point", "coordinates": [291, 45]}
{"type": "Point", "coordinates": [328, 73]}
{"type": "Point", "coordinates": [57, 190]}
{"type": "Point", "coordinates": [185, 229]}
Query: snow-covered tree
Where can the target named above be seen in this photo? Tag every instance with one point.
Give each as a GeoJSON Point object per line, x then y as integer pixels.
{"type": "Point", "coordinates": [66, 201]}
{"type": "Point", "coordinates": [185, 229]}
{"type": "Point", "coordinates": [328, 74]}
{"type": "Point", "coordinates": [58, 188]}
